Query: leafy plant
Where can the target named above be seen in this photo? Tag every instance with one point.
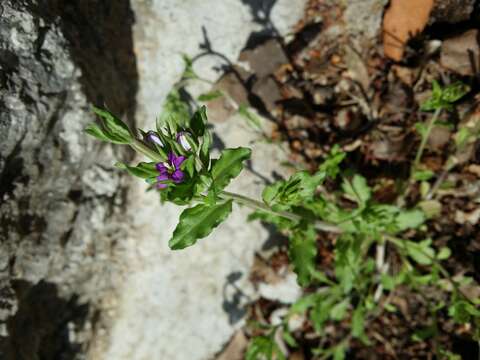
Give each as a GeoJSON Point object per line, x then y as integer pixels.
{"type": "Point", "coordinates": [355, 290]}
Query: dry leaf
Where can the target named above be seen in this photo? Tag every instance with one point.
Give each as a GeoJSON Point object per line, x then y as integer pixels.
{"type": "Point", "coordinates": [403, 20]}
{"type": "Point", "coordinates": [472, 217]}
{"type": "Point", "coordinates": [236, 348]}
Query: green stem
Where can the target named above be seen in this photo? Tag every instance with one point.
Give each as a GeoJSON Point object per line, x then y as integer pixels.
{"type": "Point", "coordinates": [258, 205]}
{"type": "Point", "coordinates": [405, 188]}
{"type": "Point", "coordinates": [141, 148]}
{"type": "Point", "coordinates": [400, 242]}
{"type": "Point", "coordinates": [423, 143]}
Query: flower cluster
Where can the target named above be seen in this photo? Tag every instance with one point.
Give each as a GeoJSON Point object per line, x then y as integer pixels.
{"type": "Point", "coordinates": [170, 170]}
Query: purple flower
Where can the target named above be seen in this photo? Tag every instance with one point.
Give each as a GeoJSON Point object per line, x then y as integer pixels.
{"type": "Point", "coordinates": [170, 170]}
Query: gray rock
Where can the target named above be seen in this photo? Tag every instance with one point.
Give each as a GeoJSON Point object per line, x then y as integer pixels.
{"type": "Point", "coordinates": [58, 212]}
{"type": "Point", "coordinates": [452, 11]}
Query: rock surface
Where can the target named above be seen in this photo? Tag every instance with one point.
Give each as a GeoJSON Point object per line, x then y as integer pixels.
{"type": "Point", "coordinates": [195, 296]}
{"type": "Point", "coordinates": [61, 197]}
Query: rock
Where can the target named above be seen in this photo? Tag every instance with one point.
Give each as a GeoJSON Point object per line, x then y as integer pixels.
{"type": "Point", "coordinates": [452, 11]}
{"type": "Point", "coordinates": [59, 223]}
{"type": "Point", "coordinates": [461, 53]}
{"type": "Point", "coordinates": [268, 91]}
{"type": "Point", "coordinates": [222, 108]}
{"type": "Point", "coordinates": [363, 19]}
{"type": "Point", "coordinates": [189, 292]}
{"type": "Point", "coordinates": [265, 59]}
{"type": "Point", "coordinates": [286, 291]}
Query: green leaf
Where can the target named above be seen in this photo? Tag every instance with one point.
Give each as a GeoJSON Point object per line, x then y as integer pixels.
{"type": "Point", "coordinates": [263, 347]}
{"type": "Point", "coordinates": [205, 148]}
{"type": "Point", "coordinates": [423, 175]}
{"type": "Point", "coordinates": [331, 165]}
{"type": "Point", "coordinates": [114, 127]}
{"type": "Point", "coordinates": [188, 72]}
{"type": "Point", "coordinates": [454, 92]}
{"type": "Point", "coordinates": [142, 170]}
{"type": "Point", "coordinates": [198, 121]}
{"type": "Point", "coordinates": [228, 166]}
{"type": "Point", "coordinates": [444, 253]}
{"type": "Point", "coordinates": [175, 113]}
{"type": "Point", "coordinates": [97, 132]}
{"type": "Point", "coordinates": [197, 222]}
{"type": "Point", "coordinates": [302, 252]}
{"type": "Point", "coordinates": [252, 119]}
{"type": "Point", "coordinates": [421, 252]}
{"type": "Point", "coordinates": [209, 96]}
{"type": "Point", "coordinates": [357, 189]}
{"type": "Point", "coordinates": [443, 98]}
{"type": "Point", "coordinates": [321, 312]}
{"type": "Point", "coordinates": [339, 311]}
{"type": "Point", "coordinates": [271, 192]}
{"type": "Point", "coordinates": [303, 304]}
{"type": "Point", "coordinates": [358, 322]}
{"type": "Point", "coordinates": [339, 353]}
{"type": "Point", "coordinates": [390, 308]}
{"type": "Point", "coordinates": [410, 219]}
{"type": "Point", "coordinates": [289, 339]}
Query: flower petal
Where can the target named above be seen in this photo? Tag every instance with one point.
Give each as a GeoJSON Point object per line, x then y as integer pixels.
{"type": "Point", "coordinates": [161, 186]}
{"type": "Point", "coordinates": [161, 168]}
{"type": "Point", "coordinates": [178, 161]}
{"type": "Point", "coordinates": [177, 176]}
{"type": "Point", "coordinates": [171, 157]}
{"type": "Point", "coordinates": [163, 177]}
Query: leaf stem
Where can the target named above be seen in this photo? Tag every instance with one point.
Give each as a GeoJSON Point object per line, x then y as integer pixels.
{"type": "Point", "coordinates": [258, 205]}
{"type": "Point", "coordinates": [141, 148]}
{"type": "Point", "coordinates": [400, 242]}
{"type": "Point", "coordinates": [423, 143]}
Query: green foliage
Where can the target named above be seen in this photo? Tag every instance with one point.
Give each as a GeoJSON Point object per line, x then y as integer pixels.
{"type": "Point", "coordinates": [188, 72]}
{"type": "Point", "coordinates": [264, 348]}
{"type": "Point", "coordinates": [197, 222]}
{"type": "Point", "coordinates": [175, 113]}
{"type": "Point", "coordinates": [113, 130]}
{"type": "Point", "coordinates": [443, 98]}
{"type": "Point", "coordinates": [357, 190]}
{"type": "Point", "coordinates": [299, 188]}
{"type": "Point", "coordinates": [142, 170]}
{"type": "Point", "coordinates": [228, 166]}
{"type": "Point", "coordinates": [210, 96]}
{"type": "Point", "coordinates": [198, 122]}
{"type": "Point", "coordinates": [250, 117]}
{"type": "Point", "coordinates": [349, 289]}
{"type": "Point", "coordinates": [302, 250]}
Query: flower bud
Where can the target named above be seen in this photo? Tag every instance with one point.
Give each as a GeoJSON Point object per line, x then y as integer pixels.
{"type": "Point", "coordinates": [182, 140]}
{"type": "Point", "coordinates": [154, 138]}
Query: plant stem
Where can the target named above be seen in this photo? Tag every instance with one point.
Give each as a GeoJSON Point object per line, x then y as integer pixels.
{"type": "Point", "coordinates": [141, 148]}
{"type": "Point", "coordinates": [400, 242]}
{"type": "Point", "coordinates": [405, 188]}
{"type": "Point", "coordinates": [258, 205]}
{"type": "Point", "coordinates": [423, 143]}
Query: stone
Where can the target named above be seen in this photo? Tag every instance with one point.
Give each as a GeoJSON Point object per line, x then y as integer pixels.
{"type": "Point", "coordinates": [461, 53]}
{"type": "Point", "coordinates": [170, 298]}
{"type": "Point", "coordinates": [452, 11]}
{"type": "Point", "coordinates": [268, 91]}
{"type": "Point", "coordinates": [59, 227]}
{"type": "Point", "coordinates": [265, 58]}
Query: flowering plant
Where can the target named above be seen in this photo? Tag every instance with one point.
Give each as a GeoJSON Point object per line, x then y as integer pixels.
{"type": "Point", "coordinates": [358, 288]}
